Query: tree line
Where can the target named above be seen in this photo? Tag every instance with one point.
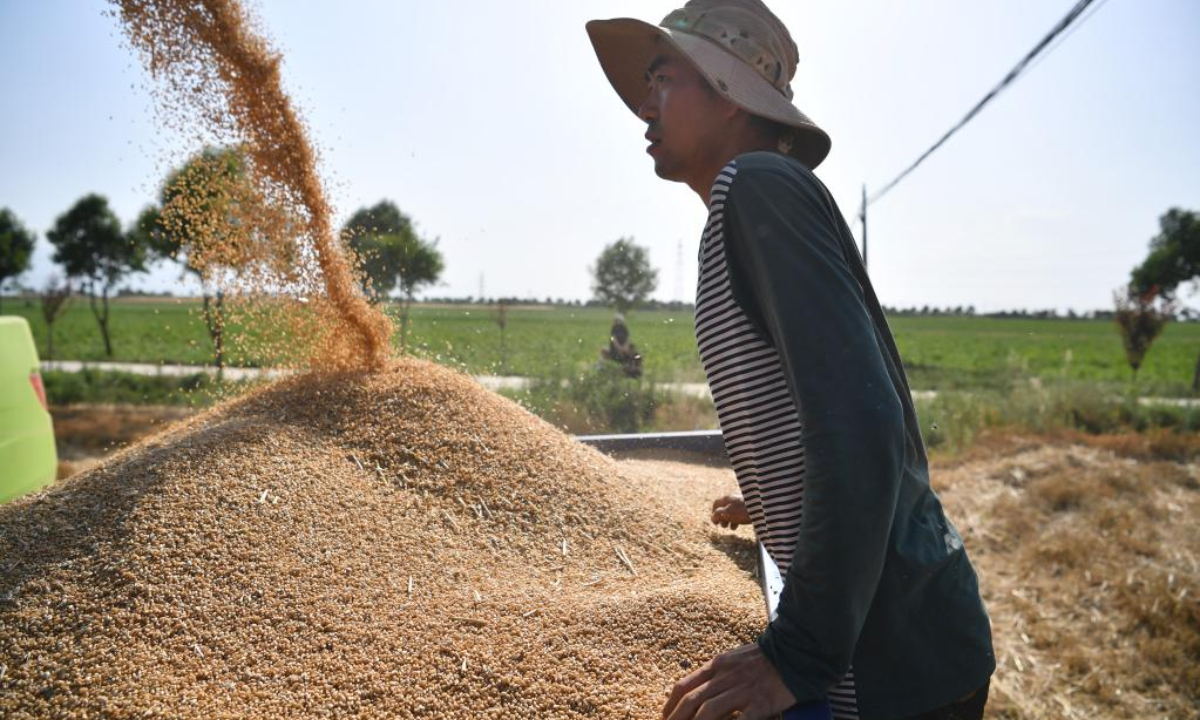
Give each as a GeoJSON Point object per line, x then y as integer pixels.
{"type": "Point", "coordinates": [201, 205]}
{"type": "Point", "coordinates": [201, 222]}
{"type": "Point", "coordinates": [198, 221]}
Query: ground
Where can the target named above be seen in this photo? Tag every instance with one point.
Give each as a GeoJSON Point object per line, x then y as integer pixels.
{"type": "Point", "coordinates": [940, 353]}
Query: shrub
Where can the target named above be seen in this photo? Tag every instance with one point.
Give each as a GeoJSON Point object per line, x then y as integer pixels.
{"type": "Point", "coordinates": [951, 421]}
{"type": "Point", "coordinates": [99, 387]}
{"type": "Point", "coordinates": [599, 400]}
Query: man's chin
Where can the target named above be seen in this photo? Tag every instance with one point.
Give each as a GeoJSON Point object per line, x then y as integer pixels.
{"type": "Point", "coordinates": [667, 170]}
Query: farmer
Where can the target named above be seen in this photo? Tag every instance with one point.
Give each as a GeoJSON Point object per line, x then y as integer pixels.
{"type": "Point", "coordinates": [880, 611]}
{"type": "Point", "coordinates": [621, 349]}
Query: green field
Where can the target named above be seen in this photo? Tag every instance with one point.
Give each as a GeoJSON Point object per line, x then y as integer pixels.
{"type": "Point", "coordinates": [941, 353]}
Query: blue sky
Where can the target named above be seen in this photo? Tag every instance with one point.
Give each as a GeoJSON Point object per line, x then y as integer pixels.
{"type": "Point", "coordinates": [493, 126]}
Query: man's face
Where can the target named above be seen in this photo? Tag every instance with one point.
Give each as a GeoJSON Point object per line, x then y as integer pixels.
{"type": "Point", "coordinates": [686, 120]}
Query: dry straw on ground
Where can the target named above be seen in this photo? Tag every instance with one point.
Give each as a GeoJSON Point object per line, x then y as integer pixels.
{"type": "Point", "coordinates": [1089, 562]}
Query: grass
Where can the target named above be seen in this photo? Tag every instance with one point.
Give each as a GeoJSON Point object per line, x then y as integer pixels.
{"type": "Point", "coordinates": [548, 342]}
{"type": "Point", "coordinates": [606, 401]}
{"type": "Point", "coordinates": [940, 353]}
{"type": "Point", "coordinates": [94, 387]}
{"type": "Point", "coordinates": [166, 331]}
{"type": "Point", "coordinates": [957, 353]}
{"type": "Point", "coordinates": [952, 421]}
{"type": "Point", "coordinates": [1041, 376]}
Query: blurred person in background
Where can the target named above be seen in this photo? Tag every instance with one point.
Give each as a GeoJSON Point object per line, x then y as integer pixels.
{"type": "Point", "coordinates": [621, 349]}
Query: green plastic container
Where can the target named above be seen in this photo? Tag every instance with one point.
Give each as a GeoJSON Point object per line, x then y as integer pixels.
{"type": "Point", "coordinates": [28, 460]}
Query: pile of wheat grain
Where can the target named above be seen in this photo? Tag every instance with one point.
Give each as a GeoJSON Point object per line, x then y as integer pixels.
{"type": "Point", "coordinates": [398, 544]}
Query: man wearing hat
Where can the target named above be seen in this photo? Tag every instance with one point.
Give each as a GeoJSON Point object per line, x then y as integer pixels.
{"type": "Point", "coordinates": [880, 615]}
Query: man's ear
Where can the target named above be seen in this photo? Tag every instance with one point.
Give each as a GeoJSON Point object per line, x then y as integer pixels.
{"type": "Point", "coordinates": [738, 117]}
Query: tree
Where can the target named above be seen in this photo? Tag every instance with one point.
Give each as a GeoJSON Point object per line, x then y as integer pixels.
{"type": "Point", "coordinates": [16, 248]}
{"type": "Point", "coordinates": [392, 255]}
{"type": "Point", "coordinates": [622, 276]}
{"type": "Point", "coordinates": [54, 297]}
{"type": "Point", "coordinates": [1139, 322]}
{"type": "Point", "coordinates": [201, 222]}
{"type": "Point", "coordinates": [90, 246]}
{"type": "Point", "coordinates": [418, 263]}
{"type": "Point", "coordinates": [1174, 259]}
{"type": "Point", "coordinates": [379, 260]}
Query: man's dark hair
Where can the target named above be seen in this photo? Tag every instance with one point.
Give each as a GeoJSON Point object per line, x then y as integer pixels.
{"type": "Point", "coordinates": [772, 131]}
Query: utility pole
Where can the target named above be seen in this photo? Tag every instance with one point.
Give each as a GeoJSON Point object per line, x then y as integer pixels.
{"type": "Point", "coordinates": [862, 216]}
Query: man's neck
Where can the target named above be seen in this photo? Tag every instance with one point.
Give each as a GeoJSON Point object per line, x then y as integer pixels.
{"type": "Point", "coordinates": [702, 182]}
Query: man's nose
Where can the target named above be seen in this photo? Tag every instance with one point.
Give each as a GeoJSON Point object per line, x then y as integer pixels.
{"type": "Point", "coordinates": [648, 110]}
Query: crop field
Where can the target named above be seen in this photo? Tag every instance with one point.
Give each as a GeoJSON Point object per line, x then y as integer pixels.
{"type": "Point", "coordinates": [940, 353]}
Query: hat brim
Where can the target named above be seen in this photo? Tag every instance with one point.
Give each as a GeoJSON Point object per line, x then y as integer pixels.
{"type": "Point", "coordinates": [625, 47]}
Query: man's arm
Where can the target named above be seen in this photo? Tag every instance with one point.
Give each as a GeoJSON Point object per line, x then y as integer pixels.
{"type": "Point", "coordinates": [790, 273]}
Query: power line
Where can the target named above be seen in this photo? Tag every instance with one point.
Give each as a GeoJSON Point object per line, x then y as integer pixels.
{"type": "Point", "coordinates": [1021, 67]}
{"type": "Point", "coordinates": [1092, 10]}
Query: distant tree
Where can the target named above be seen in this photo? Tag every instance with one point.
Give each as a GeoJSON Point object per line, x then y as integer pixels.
{"type": "Point", "coordinates": [16, 248]}
{"type": "Point", "coordinates": [54, 298]}
{"type": "Point", "coordinates": [1174, 259]}
{"type": "Point", "coordinates": [90, 246]}
{"type": "Point", "coordinates": [200, 223]}
{"type": "Point", "coordinates": [1174, 254]}
{"type": "Point", "coordinates": [418, 263]}
{"type": "Point", "coordinates": [393, 256]}
{"type": "Point", "coordinates": [1139, 321]}
{"type": "Point", "coordinates": [365, 231]}
{"type": "Point", "coordinates": [622, 276]}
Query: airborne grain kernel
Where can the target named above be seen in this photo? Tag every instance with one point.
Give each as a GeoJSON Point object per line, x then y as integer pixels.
{"type": "Point", "coordinates": [271, 224]}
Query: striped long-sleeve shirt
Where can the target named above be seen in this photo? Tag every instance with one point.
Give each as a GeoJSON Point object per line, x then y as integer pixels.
{"type": "Point", "coordinates": [759, 418]}
{"type": "Point", "coordinates": [880, 610]}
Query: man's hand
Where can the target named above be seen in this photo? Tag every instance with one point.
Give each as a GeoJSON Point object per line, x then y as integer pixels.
{"type": "Point", "coordinates": [741, 680]}
{"type": "Point", "coordinates": [730, 511]}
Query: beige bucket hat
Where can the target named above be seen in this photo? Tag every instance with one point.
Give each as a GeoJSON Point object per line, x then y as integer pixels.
{"type": "Point", "coordinates": [743, 50]}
